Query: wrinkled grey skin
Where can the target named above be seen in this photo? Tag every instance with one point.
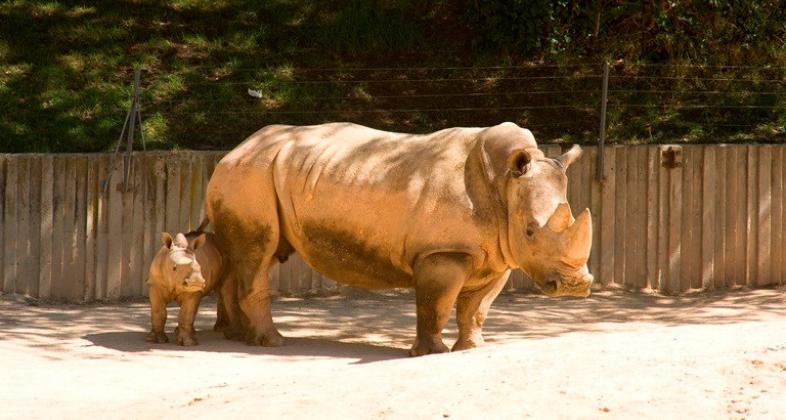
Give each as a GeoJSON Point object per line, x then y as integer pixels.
{"type": "Point", "coordinates": [448, 213]}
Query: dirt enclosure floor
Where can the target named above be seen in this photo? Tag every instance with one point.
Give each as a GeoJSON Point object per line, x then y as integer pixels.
{"type": "Point", "coordinates": [613, 355]}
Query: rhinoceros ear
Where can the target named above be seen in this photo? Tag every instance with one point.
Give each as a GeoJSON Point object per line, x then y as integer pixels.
{"type": "Point", "coordinates": [197, 242]}
{"type": "Point", "coordinates": [518, 162]}
{"type": "Point", "coordinates": [507, 149]}
{"type": "Point", "coordinates": [166, 239]}
{"type": "Point", "coordinates": [570, 156]}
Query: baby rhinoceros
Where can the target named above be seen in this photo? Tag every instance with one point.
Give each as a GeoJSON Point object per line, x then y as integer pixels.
{"type": "Point", "coordinates": [185, 269]}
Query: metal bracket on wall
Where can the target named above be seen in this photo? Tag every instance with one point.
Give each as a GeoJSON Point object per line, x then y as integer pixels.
{"type": "Point", "coordinates": [671, 156]}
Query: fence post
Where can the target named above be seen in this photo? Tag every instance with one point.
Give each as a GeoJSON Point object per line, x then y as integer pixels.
{"type": "Point", "coordinates": [132, 116]}
{"type": "Point", "coordinates": [602, 139]}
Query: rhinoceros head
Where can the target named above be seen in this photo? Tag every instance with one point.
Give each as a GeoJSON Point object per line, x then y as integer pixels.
{"type": "Point", "coordinates": [184, 271]}
{"type": "Point", "coordinates": [543, 238]}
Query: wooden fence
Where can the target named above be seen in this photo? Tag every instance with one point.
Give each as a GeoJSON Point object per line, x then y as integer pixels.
{"type": "Point", "coordinates": [702, 217]}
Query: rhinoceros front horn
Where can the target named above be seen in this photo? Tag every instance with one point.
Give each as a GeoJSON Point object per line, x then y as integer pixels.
{"type": "Point", "coordinates": [578, 240]}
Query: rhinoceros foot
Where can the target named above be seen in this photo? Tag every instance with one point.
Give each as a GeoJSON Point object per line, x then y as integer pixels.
{"type": "Point", "coordinates": [156, 337]}
{"type": "Point", "coordinates": [466, 344]}
{"type": "Point", "coordinates": [424, 347]}
{"type": "Point", "coordinates": [185, 338]}
{"type": "Point", "coordinates": [268, 338]}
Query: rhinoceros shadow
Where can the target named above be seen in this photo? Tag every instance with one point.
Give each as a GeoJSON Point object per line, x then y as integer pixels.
{"type": "Point", "coordinates": [214, 342]}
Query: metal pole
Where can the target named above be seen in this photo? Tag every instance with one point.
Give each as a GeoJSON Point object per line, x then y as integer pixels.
{"type": "Point", "coordinates": [602, 140]}
{"type": "Point", "coordinates": [130, 137]}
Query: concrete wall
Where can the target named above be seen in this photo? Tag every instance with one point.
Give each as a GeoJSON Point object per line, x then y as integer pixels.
{"type": "Point", "coordinates": [714, 221]}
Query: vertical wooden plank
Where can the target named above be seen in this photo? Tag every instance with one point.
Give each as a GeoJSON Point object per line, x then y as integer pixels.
{"type": "Point", "coordinates": [764, 236]}
{"type": "Point", "coordinates": [675, 229]}
{"type": "Point", "coordinates": [127, 217]}
{"type": "Point", "coordinates": [690, 249]}
{"type": "Point", "coordinates": [720, 177]}
{"type": "Point", "coordinates": [185, 193]}
{"type": "Point", "coordinates": [594, 204]}
{"type": "Point", "coordinates": [46, 229]}
{"type": "Point", "coordinates": [782, 244]}
{"type": "Point", "coordinates": [102, 229]}
{"type": "Point", "coordinates": [777, 215]}
{"type": "Point", "coordinates": [621, 203]}
{"type": "Point", "coordinates": [697, 164]}
{"type": "Point", "coordinates": [635, 220]}
{"type": "Point", "coordinates": [172, 194]}
{"type": "Point", "coordinates": [274, 275]}
{"type": "Point", "coordinates": [607, 218]}
{"type": "Point", "coordinates": [137, 244]}
{"type": "Point", "coordinates": [114, 265]}
{"type": "Point", "coordinates": [34, 231]}
{"type": "Point", "coordinates": [79, 223]}
{"type": "Point", "coordinates": [9, 226]}
{"type": "Point", "coordinates": [58, 286]}
{"type": "Point", "coordinates": [663, 226]}
{"type": "Point", "coordinates": [709, 174]}
{"type": "Point", "coordinates": [736, 166]}
{"type": "Point", "coordinates": [22, 268]}
{"type": "Point", "coordinates": [304, 277]}
{"type": "Point", "coordinates": [91, 225]}
{"type": "Point", "coordinates": [154, 173]}
{"type": "Point", "coordinates": [3, 164]}
{"type": "Point", "coordinates": [751, 228]}
{"type": "Point", "coordinates": [69, 278]}
{"type": "Point", "coordinates": [652, 218]}
{"type": "Point", "coordinates": [197, 191]}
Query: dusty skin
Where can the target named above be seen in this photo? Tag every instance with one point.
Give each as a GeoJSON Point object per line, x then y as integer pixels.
{"type": "Point", "coordinates": [612, 355]}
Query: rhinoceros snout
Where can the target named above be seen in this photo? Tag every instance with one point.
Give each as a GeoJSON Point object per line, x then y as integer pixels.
{"type": "Point", "coordinates": [194, 284]}
{"type": "Point", "coordinates": [557, 287]}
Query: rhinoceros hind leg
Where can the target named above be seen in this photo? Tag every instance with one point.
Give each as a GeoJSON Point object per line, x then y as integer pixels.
{"type": "Point", "coordinates": [471, 310]}
{"type": "Point", "coordinates": [438, 280]}
{"type": "Point", "coordinates": [255, 304]}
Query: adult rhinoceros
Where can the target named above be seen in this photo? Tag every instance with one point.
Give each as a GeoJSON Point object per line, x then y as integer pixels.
{"type": "Point", "coordinates": [448, 213]}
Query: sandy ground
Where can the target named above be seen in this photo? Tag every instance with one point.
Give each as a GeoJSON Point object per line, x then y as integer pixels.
{"type": "Point", "coordinates": [613, 355]}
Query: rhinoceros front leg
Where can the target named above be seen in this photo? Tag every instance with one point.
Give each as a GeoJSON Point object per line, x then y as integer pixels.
{"type": "Point", "coordinates": [438, 280]}
{"type": "Point", "coordinates": [157, 317]}
{"type": "Point", "coordinates": [189, 305]}
{"type": "Point", "coordinates": [471, 310]}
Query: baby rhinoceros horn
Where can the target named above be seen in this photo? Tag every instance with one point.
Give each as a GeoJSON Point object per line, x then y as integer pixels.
{"type": "Point", "coordinates": [578, 238]}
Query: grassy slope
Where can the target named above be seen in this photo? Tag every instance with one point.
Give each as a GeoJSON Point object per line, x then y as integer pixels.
{"type": "Point", "coordinates": [65, 72]}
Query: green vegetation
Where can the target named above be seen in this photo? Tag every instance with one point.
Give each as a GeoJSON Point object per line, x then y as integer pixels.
{"type": "Point", "coordinates": [711, 70]}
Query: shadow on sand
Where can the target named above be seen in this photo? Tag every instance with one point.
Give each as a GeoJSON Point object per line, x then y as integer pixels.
{"type": "Point", "coordinates": [210, 341]}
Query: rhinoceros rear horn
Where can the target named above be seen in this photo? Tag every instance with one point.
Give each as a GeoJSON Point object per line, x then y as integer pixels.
{"type": "Point", "coordinates": [578, 238]}
{"type": "Point", "coordinates": [561, 219]}
{"type": "Point", "coordinates": [570, 156]}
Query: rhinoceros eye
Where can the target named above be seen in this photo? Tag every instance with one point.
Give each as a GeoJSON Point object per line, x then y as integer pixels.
{"type": "Point", "coordinates": [174, 268]}
{"type": "Point", "coordinates": [530, 230]}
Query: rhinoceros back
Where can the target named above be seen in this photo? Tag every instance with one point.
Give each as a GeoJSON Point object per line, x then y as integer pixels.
{"type": "Point", "coordinates": [360, 205]}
